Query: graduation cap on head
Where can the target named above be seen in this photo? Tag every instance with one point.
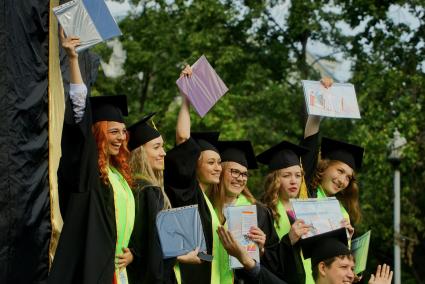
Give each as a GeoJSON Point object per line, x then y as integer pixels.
{"type": "Point", "coordinates": [240, 152]}
{"type": "Point", "coordinates": [141, 132]}
{"type": "Point", "coordinates": [325, 246]}
{"type": "Point", "coordinates": [350, 154]}
{"type": "Point", "coordinates": [282, 155]}
{"type": "Point", "coordinates": [109, 108]}
{"type": "Point", "coordinates": [206, 140]}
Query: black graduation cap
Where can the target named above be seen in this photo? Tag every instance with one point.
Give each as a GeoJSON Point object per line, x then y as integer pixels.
{"type": "Point", "coordinates": [350, 154]}
{"type": "Point", "coordinates": [240, 152]}
{"type": "Point", "coordinates": [141, 132]}
{"type": "Point", "coordinates": [109, 108]}
{"type": "Point", "coordinates": [206, 140]}
{"type": "Point", "coordinates": [326, 245]}
{"type": "Point", "coordinates": [282, 155]}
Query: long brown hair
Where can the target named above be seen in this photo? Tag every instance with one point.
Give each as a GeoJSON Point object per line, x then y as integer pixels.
{"type": "Point", "coordinates": [349, 196]}
{"type": "Point", "coordinates": [120, 161]}
{"type": "Point", "coordinates": [271, 193]}
{"type": "Point", "coordinates": [218, 194]}
{"type": "Point", "coordinates": [140, 168]}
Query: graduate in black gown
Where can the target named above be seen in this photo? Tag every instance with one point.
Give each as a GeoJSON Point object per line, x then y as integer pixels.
{"type": "Point", "coordinates": [191, 168]}
{"type": "Point", "coordinates": [93, 178]}
{"type": "Point", "coordinates": [283, 182]}
{"type": "Point", "coordinates": [237, 157]}
{"type": "Point", "coordinates": [147, 166]}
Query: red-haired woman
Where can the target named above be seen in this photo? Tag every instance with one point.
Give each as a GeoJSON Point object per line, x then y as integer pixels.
{"type": "Point", "coordinates": [94, 177]}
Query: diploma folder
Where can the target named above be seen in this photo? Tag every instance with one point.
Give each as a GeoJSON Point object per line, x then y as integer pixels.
{"type": "Point", "coordinates": [180, 231]}
{"type": "Point", "coordinates": [239, 221]}
{"type": "Point", "coordinates": [338, 101]}
{"type": "Point", "coordinates": [204, 88]}
{"type": "Point", "coordinates": [90, 20]}
{"type": "Point", "coordinates": [360, 249]}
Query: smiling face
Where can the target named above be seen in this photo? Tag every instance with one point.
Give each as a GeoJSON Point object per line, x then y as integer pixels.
{"type": "Point", "coordinates": [336, 177]}
{"type": "Point", "coordinates": [290, 181]}
{"type": "Point", "coordinates": [341, 271]}
{"type": "Point", "coordinates": [155, 153]}
{"type": "Point", "coordinates": [209, 167]}
{"type": "Point", "coordinates": [116, 134]}
{"type": "Point", "coordinates": [235, 177]}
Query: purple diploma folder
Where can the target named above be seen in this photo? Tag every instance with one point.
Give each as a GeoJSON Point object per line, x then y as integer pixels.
{"type": "Point", "coordinates": [204, 88]}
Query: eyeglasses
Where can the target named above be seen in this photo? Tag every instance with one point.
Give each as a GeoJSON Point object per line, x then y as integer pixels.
{"type": "Point", "coordinates": [237, 173]}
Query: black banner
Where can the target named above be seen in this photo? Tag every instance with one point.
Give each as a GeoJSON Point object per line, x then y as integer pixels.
{"type": "Point", "coordinates": [24, 187]}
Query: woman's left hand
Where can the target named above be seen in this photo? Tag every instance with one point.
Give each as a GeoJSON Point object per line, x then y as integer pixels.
{"type": "Point", "coordinates": [346, 223]}
{"type": "Point", "coordinates": [124, 259]}
{"type": "Point", "coordinates": [258, 236]}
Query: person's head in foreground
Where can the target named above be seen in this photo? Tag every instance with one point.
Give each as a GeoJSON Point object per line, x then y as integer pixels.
{"type": "Point", "coordinates": [332, 262]}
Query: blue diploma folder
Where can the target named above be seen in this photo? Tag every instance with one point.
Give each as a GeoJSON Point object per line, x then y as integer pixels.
{"type": "Point", "coordinates": [180, 231]}
{"type": "Point", "coordinates": [90, 20]}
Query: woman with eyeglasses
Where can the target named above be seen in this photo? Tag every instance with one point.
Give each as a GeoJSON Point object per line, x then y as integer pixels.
{"type": "Point", "coordinates": [94, 180]}
{"type": "Point", "coordinates": [237, 158]}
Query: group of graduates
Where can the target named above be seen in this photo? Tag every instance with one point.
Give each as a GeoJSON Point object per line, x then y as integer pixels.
{"type": "Point", "coordinates": [114, 180]}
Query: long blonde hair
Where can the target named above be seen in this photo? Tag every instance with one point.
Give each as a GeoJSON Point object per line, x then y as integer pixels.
{"type": "Point", "coordinates": [218, 194]}
{"type": "Point", "coordinates": [141, 169]}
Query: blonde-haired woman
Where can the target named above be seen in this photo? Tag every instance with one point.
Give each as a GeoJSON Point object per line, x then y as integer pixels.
{"type": "Point", "coordinates": [147, 167]}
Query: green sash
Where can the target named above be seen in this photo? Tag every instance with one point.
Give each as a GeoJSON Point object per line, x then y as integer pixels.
{"type": "Point", "coordinates": [220, 268]}
{"type": "Point", "coordinates": [284, 224]}
{"type": "Point", "coordinates": [242, 200]}
{"type": "Point", "coordinates": [124, 216]}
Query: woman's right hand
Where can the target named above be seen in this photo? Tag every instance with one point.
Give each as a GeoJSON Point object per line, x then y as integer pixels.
{"type": "Point", "coordinates": [187, 71]}
{"type": "Point", "coordinates": [190, 257]}
{"type": "Point", "coordinates": [327, 82]}
{"type": "Point", "coordinates": [69, 44]}
{"type": "Point", "coordinates": [298, 229]}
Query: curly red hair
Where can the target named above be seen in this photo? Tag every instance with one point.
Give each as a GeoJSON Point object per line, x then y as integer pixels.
{"type": "Point", "coordinates": [120, 161]}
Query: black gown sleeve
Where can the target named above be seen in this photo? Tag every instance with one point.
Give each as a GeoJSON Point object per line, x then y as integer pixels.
{"type": "Point", "coordinates": [148, 265]}
{"type": "Point", "coordinates": [309, 160]}
{"type": "Point", "coordinates": [180, 173]}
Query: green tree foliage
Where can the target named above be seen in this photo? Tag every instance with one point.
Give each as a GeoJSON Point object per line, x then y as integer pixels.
{"type": "Point", "coordinates": [262, 59]}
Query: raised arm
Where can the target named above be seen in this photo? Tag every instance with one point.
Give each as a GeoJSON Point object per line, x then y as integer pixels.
{"type": "Point", "coordinates": [183, 120]}
{"type": "Point", "coordinates": [69, 44]}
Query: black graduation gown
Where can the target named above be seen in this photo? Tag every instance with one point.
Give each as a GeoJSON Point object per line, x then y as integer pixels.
{"type": "Point", "coordinates": [182, 188]}
{"type": "Point", "coordinates": [86, 249]}
{"type": "Point", "coordinates": [148, 265]}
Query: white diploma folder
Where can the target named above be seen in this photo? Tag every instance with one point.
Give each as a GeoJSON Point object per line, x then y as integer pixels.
{"type": "Point", "coordinates": [239, 220]}
{"type": "Point", "coordinates": [337, 101]}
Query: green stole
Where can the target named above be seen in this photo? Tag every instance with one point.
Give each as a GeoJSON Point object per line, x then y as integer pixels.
{"type": "Point", "coordinates": [283, 226]}
{"type": "Point", "coordinates": [124, 216]}
{"type": "Point", "coordinates": [226, 273]}
{"type": "Point", "coordinates": [220, 268]}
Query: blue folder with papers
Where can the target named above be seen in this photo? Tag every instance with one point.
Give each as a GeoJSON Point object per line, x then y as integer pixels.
{"type": "Point", "coordinates": [180, 231]}
{"type": "Point", "coordinates": [90, 20]}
